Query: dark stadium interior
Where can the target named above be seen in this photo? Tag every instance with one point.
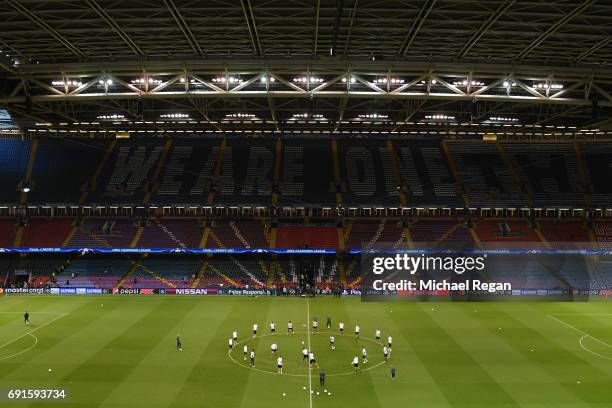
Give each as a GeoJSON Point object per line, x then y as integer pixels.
{"type": "Point", "coordinates": [176, 172]}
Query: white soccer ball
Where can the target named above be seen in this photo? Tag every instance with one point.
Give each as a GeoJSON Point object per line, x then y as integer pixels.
{"type": "Point", "coordinates": [102, 305]}
{"type": "Point", "coordinates": [329, 393]}
{"type": "Point", "coordinates": [284, 395]}
{"type": "Point", "coordinates": [302, 343]}
{"type": "Point", "coordinates": [50, 370]}
{"type": "Point", "coordinates": [303, 388]}
{"type": "Point", "coordinates": [311, 391]}
{"type": "Point", "coordinates": [325, 391]}
{"type": "Point", "coordinates": [317, 392]}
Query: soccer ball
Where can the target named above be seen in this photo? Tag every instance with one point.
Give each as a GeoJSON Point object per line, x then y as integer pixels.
{"type": "Point", "coordinates": [317, 392]}
{"type": "Point", "coordinates": [50, 370]}
{"type": "Point", "coordinates": [302, 343]}
{"type": "Point", "coordinates": [284, 395]}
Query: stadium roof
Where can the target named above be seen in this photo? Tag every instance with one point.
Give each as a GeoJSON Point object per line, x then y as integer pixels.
{"type": "Point", "coordinates": [319, 64]}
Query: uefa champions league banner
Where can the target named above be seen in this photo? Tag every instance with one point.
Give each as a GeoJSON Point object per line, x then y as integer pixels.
{"type": "Point", "coordinates": [167, 250]}
{"type": "Point", "coordinates": [465, 271]}
{"type": "Point", "coordinates": [520, 249]}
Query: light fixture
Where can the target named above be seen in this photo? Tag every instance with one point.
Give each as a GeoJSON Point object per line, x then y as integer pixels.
{"type": "Point", "coordinates": [111, 116]}
{"type": "Point", "coordinates": [384, 80]}
{"type": "Point", "coordinates": [372, 116]}
{"type": "Point", "coordinates": [352, 80]}
{"type": "Point", "coordinates": [502, 119]}
{"type": "Point", "coordinates": [465, 82]}
{"type": "Point", "coordinates": [153, 81]}
{"type": "Point", "coordinates": [230, 80]}
{"type": "Point", "coordinates": [174, 116]}
{"type": "Point", "coordinates": [440, 117]}
{"type": "Point", "coordinates": [66, 83]}
{"type": "Point", "coordinates": [545, 85]}
{"type": "Point", "coordinates": [315, 116]}
{"type": "Point", "coordinates": [240, 116]}
{"type": "Point", "coordinates": [305, 79]}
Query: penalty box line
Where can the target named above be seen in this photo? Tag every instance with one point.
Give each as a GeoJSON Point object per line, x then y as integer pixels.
{"type": "Point", "coordinates": [29, 333]}
{"type": "Point", "coordinates": [585, 334]}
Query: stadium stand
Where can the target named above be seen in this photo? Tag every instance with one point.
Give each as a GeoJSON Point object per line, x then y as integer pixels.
{"type": "Point", "coordinates": [307, 236]}
{"type": "Point", "coordinates": [108, 233]}
{"type": "Point", "coordinates": [372, 171]}
{"type": "Point", "coordinates": [366, 233]}
{"type": "Point", "coordinates": [46, 233]}
{"type": "Point", "coordinates": [94, 271]}
{"type": "Point", "coordinates": [57, 159]}
{"type": "Point", "coordinates": [14, 156]}
{"type": "Point", "coordinates": [170, 233]}
{"type": "Point", "coordinates": [7, 232]}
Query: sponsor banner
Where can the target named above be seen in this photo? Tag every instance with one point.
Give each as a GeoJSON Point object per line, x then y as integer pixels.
{"type": "Point", "coordinates": [25, 290]}
{"type": "Point", "coordinates": [188, 291]}
{"type": "Point", "coordinates": [248, 292]}
{"type": "Point", "coordinates": [169, 250]}
{"type": "Point", "coordinates": [124, 291]}
{"type": "Point", "coordinates": [573, 249]}
{"type": "Point", "coordinates": [95, 291]}
{"type": "Point", "coordinates": [68, 291]}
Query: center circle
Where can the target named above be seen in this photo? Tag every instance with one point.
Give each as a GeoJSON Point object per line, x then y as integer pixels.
{"type": "Point", "coordinates": [337, 362]}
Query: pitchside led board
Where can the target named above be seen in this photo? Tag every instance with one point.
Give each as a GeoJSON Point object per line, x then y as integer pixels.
{"type": "Point", "coordinates": [487, 271]}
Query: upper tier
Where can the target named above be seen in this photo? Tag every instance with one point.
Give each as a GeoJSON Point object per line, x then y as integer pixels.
{"type": "Point", "coordinates": [307, 172]}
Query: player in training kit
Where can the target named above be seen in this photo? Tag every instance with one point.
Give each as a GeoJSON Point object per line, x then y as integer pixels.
{"type": "Point", "coordinates": [357, 331]}
{"type": "Point", "coordinates": [315, 325]}
{"type": "Point", "coordinates": [322, 378]}
{"type": "Point", "coordinates": [386, 353]}
{"type": "Point", "coordinates": [255, 329]}
{"type": "Point", "coordinates": [328, 322]}
{"type": "Point", "coordinates": [279, 364]}
{"type": "Point", "coordinates": [26, 318]}
{"type": "Point", "coordinates": [311, 359]}
{"type": "Point", "coordinates": [356, 363]}
{"type": "Point", "coordinates": [179, 345]}
{"type": "Point", "coordinates": [273, 328]}
{"type": "Point", "coordinates": [245, 351]}
{"type": "Point", "coordinates": [290, 327]}
{"type": "Point", "coordinates": [231, 344]}
{"type": "Point", "coordinates": [377, 335]}
{"type": "Point", "coordinates": [332, 342]}
{"type": "Point", "coordinates": [235, 336]}
{"type": "Point", "coordinates": [341, 326]}
{"type": "Point", "coordinates": [252, 357]}
{"type": "Point", "coordinates": [390, 342]}
{"type": "Point", "coordinates": [304, 354]}
{"type": "Point", "coordinates": [364, 355]}
{"type": "Point", "coordinates": [274, 348]}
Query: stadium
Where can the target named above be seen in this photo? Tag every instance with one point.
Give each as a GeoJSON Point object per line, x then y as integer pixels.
{"type": "Point", "coordinates": [306, 203]}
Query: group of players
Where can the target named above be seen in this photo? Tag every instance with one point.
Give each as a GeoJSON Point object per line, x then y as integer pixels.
{"type": "Point", "coordinates": [309, 354]}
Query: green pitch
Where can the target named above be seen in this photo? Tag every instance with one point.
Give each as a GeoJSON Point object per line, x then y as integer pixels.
{"type": "Point", "coordinates": [123, 354]}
